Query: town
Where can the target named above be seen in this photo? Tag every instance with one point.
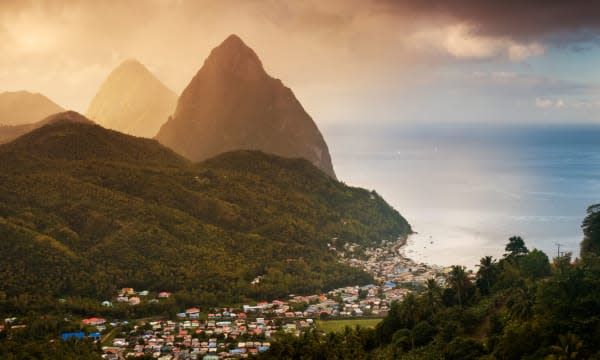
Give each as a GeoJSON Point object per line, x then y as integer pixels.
{"type": "Point", "coordinates": [237, 332]}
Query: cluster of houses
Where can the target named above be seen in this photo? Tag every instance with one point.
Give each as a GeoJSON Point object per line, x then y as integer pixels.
{"type": "Point", "coordinates": [226, 333]}
{"type": "Point", "coordinates": [395, 272]}
{"type": "Point", "coordinates": [12, 323]}
{"type": "Point", "coordinates": [222, 337]}
{"type": "Point", "coordinates": [130, 296]}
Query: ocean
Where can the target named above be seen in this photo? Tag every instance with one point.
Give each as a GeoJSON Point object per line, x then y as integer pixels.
{"type": "Point", "coordinates": [466, 189]}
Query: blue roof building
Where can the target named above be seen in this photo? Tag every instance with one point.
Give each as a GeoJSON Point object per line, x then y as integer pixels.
{"type": "Point", "coordinates": [70, 335]}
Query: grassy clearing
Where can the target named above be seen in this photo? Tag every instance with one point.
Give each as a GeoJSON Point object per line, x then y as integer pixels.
{"type": "Point", "coordinates": [339, 325]}
{"type": "Point", "coordinates": [108, 338]}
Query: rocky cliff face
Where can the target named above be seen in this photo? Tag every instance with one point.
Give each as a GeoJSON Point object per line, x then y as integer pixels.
{"type": "Point", "coordinates": [23, 107]}
{"type": "Point", "coordinates": [233, 104]}
{"type": "Point", "coordinates": [132, 100]}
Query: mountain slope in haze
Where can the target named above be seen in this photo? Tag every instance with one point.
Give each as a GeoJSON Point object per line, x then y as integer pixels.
{"type": "Point", "coordinates": [23, 107]}
{"type": "Point", "coordinates": [71, 136]}
{"type": "Point", "coordinates": [85, 210]}
{"type": "Point", "coordinates": [9, 133]}
{"type": "Point", "coordinates": [233, 104]}
{"type": "Point", "coordinates": [132, 100]}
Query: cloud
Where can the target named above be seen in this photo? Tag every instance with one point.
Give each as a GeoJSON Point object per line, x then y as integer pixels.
{"type": "Point", "coordinates": [520, 52]}
{"type": "Point", "coordinates": [521, 84]}
{"type": "Point", "coordinates": [462, 41]}
{"type": "Point", "coordinates": [574, 104]}
{"type": "Point", "coordinates": [520, 20]}
{"type": "Point", "coordinates": [543, 103]}
{"type": "Point", "coordinates": [350, 52]}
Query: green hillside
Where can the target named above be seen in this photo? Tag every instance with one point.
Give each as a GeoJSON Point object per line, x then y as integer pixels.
{"type": "Point", "coordinates": [85, 210]}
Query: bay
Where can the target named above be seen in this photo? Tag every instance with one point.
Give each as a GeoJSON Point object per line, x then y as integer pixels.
{"type": "Point", "coordinates": [466, 189]}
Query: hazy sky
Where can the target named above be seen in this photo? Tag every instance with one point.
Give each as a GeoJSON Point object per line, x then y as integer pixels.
{"type": "Point", "coordinates": [347, 61]}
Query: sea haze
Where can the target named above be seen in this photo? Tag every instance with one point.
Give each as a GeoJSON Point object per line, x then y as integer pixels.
{"type": "Point", "coordinates": [467, 189]}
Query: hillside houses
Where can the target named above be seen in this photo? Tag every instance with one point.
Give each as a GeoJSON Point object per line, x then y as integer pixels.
{"type": "Point", "coordinates": [93, 321]}
{"type": "Point", "coordinates": [387, 265]}
{"type": "Point", "coordinates": [193, 339]}
{"type": "Point", "coordinates": [223, 333]}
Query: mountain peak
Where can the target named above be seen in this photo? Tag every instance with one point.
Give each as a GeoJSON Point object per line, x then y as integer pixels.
{"type": "Point", "coordinates": [233, 104]}
{"type": "Point", "coordinates": [234, 57]}
{"type": "Point", "coordinates": [234, 40]}
{"type": "Point", "coordinates": [132, 100]}
{"type": "Point", "coordinates": [132, 65]}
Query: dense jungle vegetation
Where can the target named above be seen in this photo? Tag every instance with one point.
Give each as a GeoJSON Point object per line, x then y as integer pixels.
{"type": "Point", "coordinates": [519, 307]}
{"type": "Point", "coordinates": [85, 211]}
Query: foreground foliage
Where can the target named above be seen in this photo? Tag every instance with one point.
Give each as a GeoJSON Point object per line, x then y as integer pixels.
{"type": "Point", "coordinates": [520, 307]}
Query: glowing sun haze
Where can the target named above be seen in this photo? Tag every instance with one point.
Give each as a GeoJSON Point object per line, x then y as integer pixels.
{"type": "Point", "coordinates": [347, 61]}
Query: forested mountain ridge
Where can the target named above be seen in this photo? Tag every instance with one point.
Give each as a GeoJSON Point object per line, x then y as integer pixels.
{"type": "Point", "coordinates": [85, 210]}
{"type": "Point", "coordinates": [9, 133]}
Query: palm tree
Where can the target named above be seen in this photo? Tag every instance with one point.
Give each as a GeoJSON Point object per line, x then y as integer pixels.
{"type": "Point", "coordinates": [433, 295]}
{"type": "Point", "coordinates": [411, 314]}
{"type": "Point", "coordinates": [521, 303]}
{"type": "Point", "coordinates": [567, 349]}
{"type": "Point", "coordinates": [410, 310]}
{"type": "Point", "coordinates": [459, 281]}
{"type": "Point", "coordinates": [487, 272]}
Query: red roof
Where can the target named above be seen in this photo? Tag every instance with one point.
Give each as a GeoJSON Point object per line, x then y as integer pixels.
{"type": "Point", "coordinates": [93, 321]}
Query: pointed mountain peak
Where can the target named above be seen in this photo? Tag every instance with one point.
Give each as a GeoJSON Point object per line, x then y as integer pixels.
{"type": "Point", "coordinates": [132, 100]}
{"type": "Point", "coordinates": [233, 40]}
{"type": "Point", "coordinates": [131, 64]}
{"type": "Point", "coordinates": [233, 104]}
{"type": "Point", "coordinates": [131, 68]}
{"type": "Point", "coordinates": [233, 56]}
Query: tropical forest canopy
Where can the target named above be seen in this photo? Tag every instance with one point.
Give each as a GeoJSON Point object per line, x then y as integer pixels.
{"type": "Point", "coordinates": [85, 210]}
{"type": "Point", "coordinates": [521, 306]}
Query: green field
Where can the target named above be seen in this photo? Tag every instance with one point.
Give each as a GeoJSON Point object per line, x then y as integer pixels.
{"type": "Point", "coordinates": [339, 325]}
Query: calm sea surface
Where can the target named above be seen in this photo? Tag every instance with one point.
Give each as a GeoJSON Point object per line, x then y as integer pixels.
{"type": "Point", "coordinates": [467, 189]}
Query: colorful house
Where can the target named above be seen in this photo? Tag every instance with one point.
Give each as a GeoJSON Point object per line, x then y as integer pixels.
{"type": "Point", "coordinates": [93, 321]}
{"type": "Point", "coordinates": [72, 335]}
{"type": "Point", "coordinates": [128, 291]}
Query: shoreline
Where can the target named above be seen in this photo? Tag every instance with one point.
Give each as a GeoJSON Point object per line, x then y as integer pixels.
{"type": "Point", "coordinates": [401, 241]}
